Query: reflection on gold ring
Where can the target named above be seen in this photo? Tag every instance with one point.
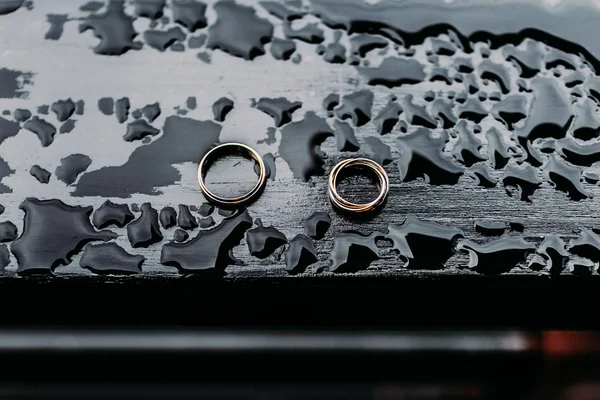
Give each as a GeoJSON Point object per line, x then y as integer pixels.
{"type": "Point", "coordinates": [345, 205]}
{"type": "Point", "coordinates": [228, 148]}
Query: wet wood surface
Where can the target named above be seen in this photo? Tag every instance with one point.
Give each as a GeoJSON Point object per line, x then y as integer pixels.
{"type": "Point", "coordinates": [67, 67]}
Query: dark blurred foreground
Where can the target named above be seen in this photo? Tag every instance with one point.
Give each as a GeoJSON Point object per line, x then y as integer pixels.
{"type": "Point", "coordinates": [509, 338]}
{"type": "Point", "coordinates": [299, 364]}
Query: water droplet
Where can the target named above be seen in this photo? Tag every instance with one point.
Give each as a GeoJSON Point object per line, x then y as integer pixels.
{"type": "Point", "coordinates": [52, 233]}
{"type": "Point", "coordinates": [497, 256]}
{"type": "Point", "coordinates": [263, 241]}
{"type": "Point", "coordinates": [210, 250]}
{"type": "Point", "coordinates": [300, 254]}
{"type": "Point", "coordinates": [110, 258]}
{"type": "Point", "coordinates": [145, 230]}
{"type": "Point", "coordinates": [317, 224]}
{"type": "Point", "coordinates": [110, 213]}
{"type": "Point", "coordinates": [353, 252]}
{"type": "Point", "coordinates": [415, 239]}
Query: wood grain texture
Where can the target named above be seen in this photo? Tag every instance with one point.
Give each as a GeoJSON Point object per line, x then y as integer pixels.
{"type": "Point", "coordinates": [68, 68]}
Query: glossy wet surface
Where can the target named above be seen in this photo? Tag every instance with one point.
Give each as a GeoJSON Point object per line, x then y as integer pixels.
{"type": "Point", "coordinates": [486, 120]}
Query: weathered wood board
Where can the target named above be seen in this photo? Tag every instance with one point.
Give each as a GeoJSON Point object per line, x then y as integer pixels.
{"type": "Point", "coordinates": [489, 133]}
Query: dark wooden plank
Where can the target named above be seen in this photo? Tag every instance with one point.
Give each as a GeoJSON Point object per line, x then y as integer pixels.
{"type": "Point", "coordinates": [51, 61]}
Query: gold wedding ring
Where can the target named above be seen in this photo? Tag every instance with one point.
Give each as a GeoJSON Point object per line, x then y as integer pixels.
{"type": "Point", "coordinates": [231, 148]}
{"type": "Point", "coordinates": [344, 205]}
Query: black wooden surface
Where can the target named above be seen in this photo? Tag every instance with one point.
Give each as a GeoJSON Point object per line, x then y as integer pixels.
{"type": "Point", "coordinates": [525, 114]}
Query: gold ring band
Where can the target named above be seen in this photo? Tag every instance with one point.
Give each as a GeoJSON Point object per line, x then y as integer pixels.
{"type": "Point", "coordinates": [229, 148]}
{"type": "Point", "coordinates": [345, 205]}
